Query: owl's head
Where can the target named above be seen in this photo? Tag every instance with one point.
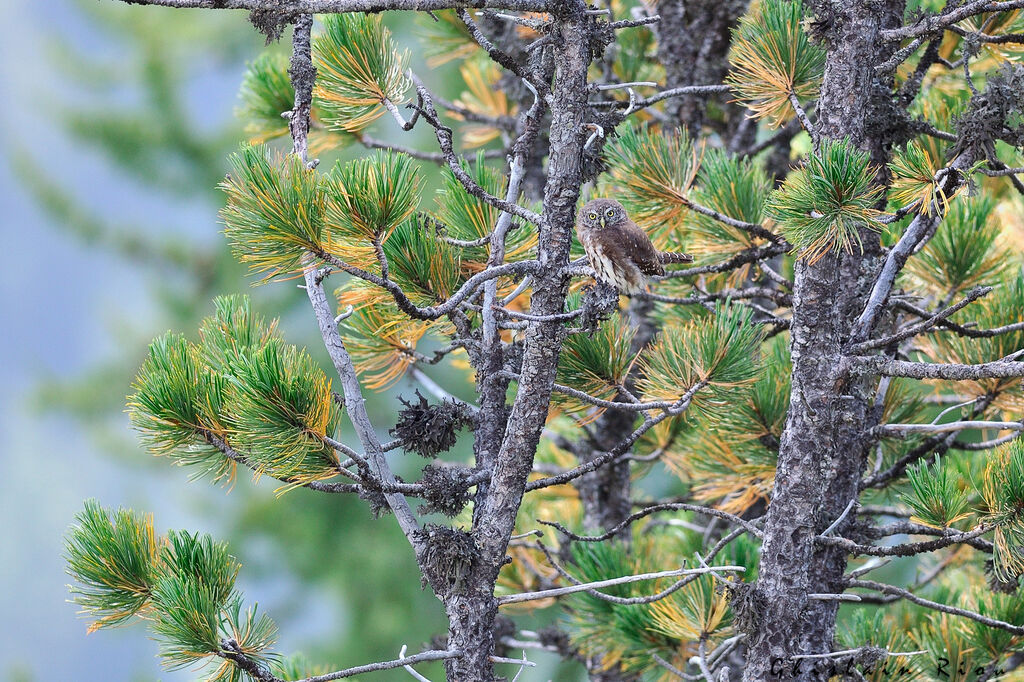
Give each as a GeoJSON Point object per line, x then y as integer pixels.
{"type": "Point", "coordinates": [599, 213]}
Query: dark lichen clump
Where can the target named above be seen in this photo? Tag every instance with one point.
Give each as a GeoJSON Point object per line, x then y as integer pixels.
{"type": "Point", "coordinates": [429, 429]}
{"type": "Point", "coordinates": [445, 489]}
{"type": "Point", "coordinates": [448, 555]}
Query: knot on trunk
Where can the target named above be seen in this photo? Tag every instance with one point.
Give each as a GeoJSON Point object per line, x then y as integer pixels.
{"type": "Point", "coordinates": [446, 560]}
{"type": "Point", "coordinates": [748, 606]}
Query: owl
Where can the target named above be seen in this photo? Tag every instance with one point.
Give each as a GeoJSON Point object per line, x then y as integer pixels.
{"type": "Point", "coordinates": [619, 250]}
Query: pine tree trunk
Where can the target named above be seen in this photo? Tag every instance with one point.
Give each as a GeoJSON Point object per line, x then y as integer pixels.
{"type": "Point", "coordinates": [822, 450]}
{"type": "Point", "coordinates": [473, 609]}
{"type": "Point", "coordinates": [693, 39]}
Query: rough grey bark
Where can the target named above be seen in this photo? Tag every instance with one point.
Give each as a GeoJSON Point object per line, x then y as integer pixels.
{"type": "Point", "coordinates": [822, 449]}
{"type": "Point", "coordinates": [472, 612]}
{"type": "Point", "coordinates": [693, 39]}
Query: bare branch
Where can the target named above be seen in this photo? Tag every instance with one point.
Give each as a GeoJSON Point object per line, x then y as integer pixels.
{"type": "Point", "coordinates": [1000, 369]}
{"type": "Point", "coordinates": [423, 657]}
{"type": "Point", "coordinates": [583, 587]}
{"type": "Point", "coordinates": [952, 537]}
{"type": "Point", "coordinates": [674, 506]}
{"type": "Point", "coordinates": [911, 597]}
{"type": "Point", "coordinates": [957, 328]}
{"type": "Point", "coordinates": [355, 407]}
{"type": "Point", "coordinates": [948, 180]}
{"type": "Point", "coordinates": [901, 430]}
{"type": "Point", "coordinates": [915, 329]}
{"type": "Point", "coordinates": [931, 25]}
{"type": "Point", "coordinates": [294, 7]}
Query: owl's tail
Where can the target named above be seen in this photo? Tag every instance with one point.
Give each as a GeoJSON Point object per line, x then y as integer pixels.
{"type": "Point", "coordinates": [667, 257]}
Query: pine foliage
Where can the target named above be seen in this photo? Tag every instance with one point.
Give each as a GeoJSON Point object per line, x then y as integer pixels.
{"type": "Point", "coordinates": [182, 585]}
{"type": "Point", "coordinates": [241, 388]}
{"type": "Point", "coordinates": [652, 172]}
{"type": "Point", "coordinates": [358, 69]}
{"type": "Point", "coordinates": [772, 58]}
{"type": "Point", "coordinates": [274, 212]}
{"type": "Point", "coordinates": [822, 207]}
{"type": "Point", "coordinates": [719, 352]}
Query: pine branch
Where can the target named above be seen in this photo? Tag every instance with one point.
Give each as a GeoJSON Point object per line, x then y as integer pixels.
{"type": "Point", "coordinates": [673, 506]}
{"type": "Point", "coordinates": [949, 181]}
{"type": "Point", "coordinates": [902, 430]}
{"type": "Point", "coordinates": [915, 329]}
{"type": "Point", "coordinates": [583, 587]}
{"type": "Point", "coordinates": [468, 288]}
{"type": "Point", "coordinates": [953, 537]}
{"type": "Point", "coordinates": [355, 406]}
{"type": "Point", "coordinates": [739, 260]}
{"type": "Point", "coordinates": [934, 24]}
{"type": "Point", "coordinates": [622, 448]}
{"type": "Point", "coordinates": [957, 328]}
{"type": "Point", "coordinates": [1000, 369]}
{"type": "Point", "coordinates": [622, 601]}
{"type": "Point", "coordinates": [911, 597]}
{"type": "Point", "coordinates": [422, 657]}
{"type": "Point", "coordinates": [444, 139]}
{"type": "Point", "coordinates": [294, 7]}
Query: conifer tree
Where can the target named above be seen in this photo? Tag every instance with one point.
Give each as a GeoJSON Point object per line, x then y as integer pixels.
{"type": "Point", "coordinates": [694, 478]}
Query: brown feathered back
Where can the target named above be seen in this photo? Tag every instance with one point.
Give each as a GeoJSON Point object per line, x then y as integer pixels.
{"type": "Point", "coordinates": [619, 250]}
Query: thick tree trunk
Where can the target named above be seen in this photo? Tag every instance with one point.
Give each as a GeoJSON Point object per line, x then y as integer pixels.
{"type": "Point", "coordinates": [473, 609]}
{"type": "Point", "coordinates": [822, 449]}
{"type": "Point", "coordinates": [693, 39]}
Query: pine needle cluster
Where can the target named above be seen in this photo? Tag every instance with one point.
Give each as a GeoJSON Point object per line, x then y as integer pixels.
{"type": "Point", "coordinates": [823, 206]}
{"type": "Point", "coordinates": [240, 394]}
{"type": "Point", "coordinates": [182, 584]}
{"type": "Point", "coordinates": [359, 68]}
{"type": "Point", "coordinates": [772, 58]}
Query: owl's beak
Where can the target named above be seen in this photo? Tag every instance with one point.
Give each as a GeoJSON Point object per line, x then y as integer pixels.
{"type": "Point", "coordinates": [600, 220]}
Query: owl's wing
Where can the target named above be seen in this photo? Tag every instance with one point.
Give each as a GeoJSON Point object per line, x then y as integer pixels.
{"type": "Point", "coordinates": [637, 247]}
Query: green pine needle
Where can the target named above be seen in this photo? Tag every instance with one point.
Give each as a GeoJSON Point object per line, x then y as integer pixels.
{"type": "Point", "coordinates": [623, 634]}
{"type": "Point", "coordinates": [1003, 306]}
{"type": "Point", "coordinates": [734, 187]}
{"type": "Point", "coordinates": [281, 409]}
{"type": "Point", "coordinates": [964, 252]}
{"type": "Point", "coordinates": [823, 206]}
{"type": "Point", "coordinates": [266, 92]}
{"type": "Point", "coordinates": [233, 331]}
{"type": "Point", "coordinates": [195, 586]}
{"type": "Point", "coordinates": [468, 218]}
{"type": "Point", "coordinates": [652, 172]}
{"type": "Point", "coordinates": [183, 585]}
{"type": "Point", "coordinates": [177, 403]}
{"type": "Point", "coordinates": [358, 67]}
{"type": "Point", "coordinates": [426, 267]}
{"type": "Point", "coordinates": [1003, 493]}
{"type": "Point", "coordinates": [370, 196]}
{"type": "Point", "coordinates": [274, 213]}
{"type": "Point", "coordinates": [937, 496]}
{"type": "Point", "coordinates": [445, 38]}
{"type": "Point", "coordinates": [772, 57]}
{"type": "Point", "coordinates": [721, 350]}
{"type": "Point", "coordinates": [112, 556]}
{"type": "Point", "coordinates": [596, 364]}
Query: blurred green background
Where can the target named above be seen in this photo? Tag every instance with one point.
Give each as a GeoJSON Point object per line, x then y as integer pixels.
{"type": "Point", "coordinates": [117, 122]}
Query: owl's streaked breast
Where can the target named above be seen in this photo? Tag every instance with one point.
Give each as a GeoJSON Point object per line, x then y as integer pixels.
{"type": "Point", "coordinates": [628, 279]}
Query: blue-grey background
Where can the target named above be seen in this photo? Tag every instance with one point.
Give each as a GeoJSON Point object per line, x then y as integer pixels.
{"type": "Point", "coordinates": [79, 302]}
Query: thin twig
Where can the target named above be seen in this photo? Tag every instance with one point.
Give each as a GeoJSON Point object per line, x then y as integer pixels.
{"type": "Point", "coordinates": [583, 587]}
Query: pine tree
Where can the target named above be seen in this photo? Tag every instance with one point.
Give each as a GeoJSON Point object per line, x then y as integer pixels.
{"type": "Point", "coordinates": [695, 478]}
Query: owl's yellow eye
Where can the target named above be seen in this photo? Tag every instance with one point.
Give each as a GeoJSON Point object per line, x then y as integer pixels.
{"type": "Point", "coordinates": [609, 213]}
{"type": "Point", "coordinates": [592, 216]}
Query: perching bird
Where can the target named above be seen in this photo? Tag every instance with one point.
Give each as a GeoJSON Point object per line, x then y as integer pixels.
{"type": "Point", "coordinates": [619, 250]}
